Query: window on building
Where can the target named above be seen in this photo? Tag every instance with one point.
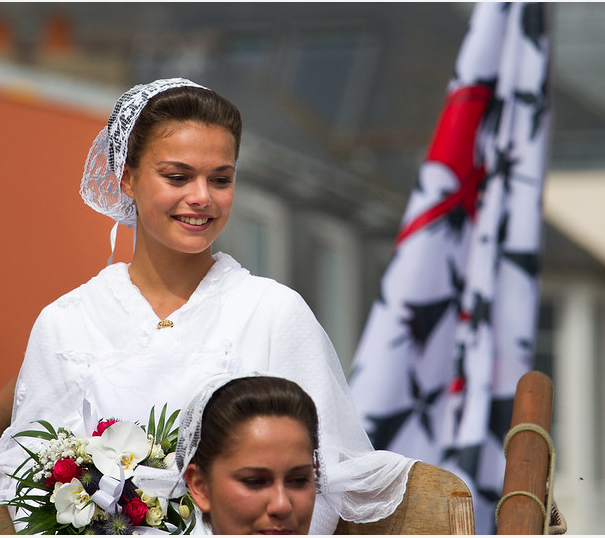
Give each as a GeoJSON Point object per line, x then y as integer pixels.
{"type": "Point", "coordinates": [335, 283]}
{"type": "Point", "coordinates": [332, 72]}
{"type": "Point", "coordinates": [257, 234]}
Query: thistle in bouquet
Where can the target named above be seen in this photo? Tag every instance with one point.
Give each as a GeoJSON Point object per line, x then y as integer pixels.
{"type": "Point", "coordinates": [116, 481]}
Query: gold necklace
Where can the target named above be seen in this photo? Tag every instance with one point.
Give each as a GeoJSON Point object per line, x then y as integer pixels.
{"type": "Point", "coordinates": [165, 323]}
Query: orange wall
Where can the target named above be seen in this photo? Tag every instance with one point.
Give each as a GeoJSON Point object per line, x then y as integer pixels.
{"type": "Point", "coordinates": [51, 242]}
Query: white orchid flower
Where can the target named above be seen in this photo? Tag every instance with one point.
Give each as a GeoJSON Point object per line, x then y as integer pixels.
{"type": "Point", "coordinates": [122, 445]}
{"type": "Point", "coordinates": [73, 504]}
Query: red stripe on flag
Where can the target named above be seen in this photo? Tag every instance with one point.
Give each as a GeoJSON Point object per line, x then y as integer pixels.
{"type": "Point", "coordinates": [453, 145]}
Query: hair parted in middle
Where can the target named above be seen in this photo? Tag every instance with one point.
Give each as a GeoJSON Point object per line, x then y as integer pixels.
{"type": "Point", "coordinates": [182, 104]}
{"type": "Point", "coordinates": [245, 398]}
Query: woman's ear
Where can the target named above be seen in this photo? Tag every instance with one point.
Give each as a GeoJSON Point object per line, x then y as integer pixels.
{"type": "Point", "coordinates": [198, 487]}
{"type": "Point", "coordinates": [126, 182]}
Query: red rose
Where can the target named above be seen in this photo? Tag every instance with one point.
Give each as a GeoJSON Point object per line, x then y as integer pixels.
{"type": "Point", "coordinates": [135, 509]}
{"type": "Point", "coordinates": [65, 469]}
{"type": "Point", "coordinates": [102, 426]}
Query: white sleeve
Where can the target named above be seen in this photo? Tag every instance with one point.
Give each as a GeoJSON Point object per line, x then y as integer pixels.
{"type": "Point", "coordinates": [361, 484]}
{"type": "Point", "coordinates": [42, 393]}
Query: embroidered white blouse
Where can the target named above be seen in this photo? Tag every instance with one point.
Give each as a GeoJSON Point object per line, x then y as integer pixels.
{"type": "Point", "coordinates": [100, 343]}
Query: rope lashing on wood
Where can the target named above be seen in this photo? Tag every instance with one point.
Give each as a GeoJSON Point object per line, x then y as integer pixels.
{"type": "Point", "coordinates": [560, 527]}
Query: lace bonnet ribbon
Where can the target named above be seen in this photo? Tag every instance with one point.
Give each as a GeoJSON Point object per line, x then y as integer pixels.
{"type": "Point", "coordinates": [190, 427]}
{"type": "Point", "coordinates": [100, 185]}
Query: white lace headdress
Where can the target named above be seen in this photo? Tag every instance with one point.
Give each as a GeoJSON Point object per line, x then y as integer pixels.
{"type": "Point", "coordinates": [100, 185]}
{"type": "Point", "coordinates": [190, 427]}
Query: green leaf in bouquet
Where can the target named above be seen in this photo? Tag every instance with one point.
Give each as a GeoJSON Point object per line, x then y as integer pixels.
{"type": "Point", "coordinates": [26, 483]}
{"type": "Point", "coordinates": [49, 427]}
{"type": "Point", "coordinates": [32, 455]}
{"type": "Point", "coordinates": [173, 435]}
{"type": "Point", "coordinates": [47, 435]}
{"type": "Point", "coordinates": [151, 423]}
{"type": "Point", "coordinates": [161, 432]}
{"type": "Point", "coordinates": [41, 521]}
{"type": "Point", "coordinates": [35, 433]}
{"type": "Point", "coordinates": [175, 518]}
{"type": "Point", "coordinates": [26, 497]}
{"type": "Point", "coordinates": [25, 476]}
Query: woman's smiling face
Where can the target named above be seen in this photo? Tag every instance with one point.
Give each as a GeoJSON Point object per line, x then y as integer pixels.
{"type": "Point", "coordinates": [183, 187]}
{"type": "Point", "coordinates": [264, 484]}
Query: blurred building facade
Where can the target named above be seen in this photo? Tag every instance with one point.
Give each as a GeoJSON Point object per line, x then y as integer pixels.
{"type": "Point", "coordinates": [339, 101]}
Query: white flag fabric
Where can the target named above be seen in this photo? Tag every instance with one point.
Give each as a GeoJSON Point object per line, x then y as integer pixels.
{"type": "Point", "coordinates": [437, 365]}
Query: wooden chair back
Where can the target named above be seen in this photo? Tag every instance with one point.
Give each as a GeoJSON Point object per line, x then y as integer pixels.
{"type": "Point", "coordinates": [436, 501]}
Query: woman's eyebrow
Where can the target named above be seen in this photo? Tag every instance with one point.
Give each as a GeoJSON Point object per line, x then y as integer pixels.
{"type": "Point", "coordinates": [186, 166]}
{"type": "Point", "coordinates": [178, 164]}
{"type": "Point", "coordinates": [304, 466]}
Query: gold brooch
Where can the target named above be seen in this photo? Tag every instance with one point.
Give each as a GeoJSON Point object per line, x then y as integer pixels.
{"type": "Point", "coordinates": [165, 323]}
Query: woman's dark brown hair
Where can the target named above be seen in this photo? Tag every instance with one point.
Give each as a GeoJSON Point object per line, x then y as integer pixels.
{"type": "Point", "coordinates": [186, 103]}
{"type": "Point", "coordinates": [245, 398]}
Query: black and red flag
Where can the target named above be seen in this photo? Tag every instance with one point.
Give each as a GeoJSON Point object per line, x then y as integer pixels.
{"type": "Point", "coordinates": [453, 329]}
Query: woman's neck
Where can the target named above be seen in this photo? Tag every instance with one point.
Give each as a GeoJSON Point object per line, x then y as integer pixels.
{"type": "Point", "coordinates": [167, 281]}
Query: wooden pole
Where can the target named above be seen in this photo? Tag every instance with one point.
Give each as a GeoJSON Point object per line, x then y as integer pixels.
{"type": "Point", "coordinates": [527, 461]}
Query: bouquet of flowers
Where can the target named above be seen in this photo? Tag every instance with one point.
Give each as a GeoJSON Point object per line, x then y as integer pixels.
{"type": "Point", "coordinates": [102, 484]}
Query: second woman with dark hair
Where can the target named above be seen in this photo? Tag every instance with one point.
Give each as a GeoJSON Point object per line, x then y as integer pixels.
{"type": "Point", "coordinates": [253, 450]}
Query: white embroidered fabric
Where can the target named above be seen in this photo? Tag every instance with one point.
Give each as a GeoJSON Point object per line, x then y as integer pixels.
{"type": "Point", "coordinates": [100, 185]}
{"type": "Point", "coordinates": [100, 343]}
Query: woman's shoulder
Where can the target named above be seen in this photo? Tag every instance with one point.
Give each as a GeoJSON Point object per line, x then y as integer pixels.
{"type": "Point", "coordinates": [239, 280]}
{"type": "Point", "coordinates": [96, 287]}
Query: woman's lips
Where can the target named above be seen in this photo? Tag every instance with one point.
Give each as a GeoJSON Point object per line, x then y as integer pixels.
{"type": "Point", "coordinates": [193, 221]}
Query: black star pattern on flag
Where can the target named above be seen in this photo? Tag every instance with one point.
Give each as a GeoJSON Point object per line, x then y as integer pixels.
{"type": "Point", "coordinates": [385, 427]}
{"type": "Point", "coordinates": [528, 262]}
{"type": "Point", "coordinates": [532, 23]}
{"type": "Point", "coordinates": [500, 416]}
{"type": "Point", "coordinates": [458, 282]}
{"type": "Point", "coordinates": [448, 453]}
{"type": "Point", "coordinates": [425, 316]}
{"type": "Point", "coordinates": [504, 165]}
{"type": "Point", "coordinates": [493, 116]}
{"type": "Point", "coordinates": [456, 219]}
{"type": "Point", "coordinates": [490, 495]}
{"type": "Point", "coordinates": [460, 383]}
{"type": "Point", "coordinates": [423, 404]}
{"type": "Point", "coordinates": [481, 311]}
{"type": "Point", "coordinates": [540, 105]}
{"type": "Point", "coordinates": [457, 387]}
{"type": "Point", "coordinates": [501, 236]}
{"type": "Point", "coordinates": [527, 346]}
{"type": "Point", "coordinates": [467, 458]}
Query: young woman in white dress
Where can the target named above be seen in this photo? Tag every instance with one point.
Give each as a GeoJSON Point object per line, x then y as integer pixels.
{"type": "Point", "coordinates": [146, 333]}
